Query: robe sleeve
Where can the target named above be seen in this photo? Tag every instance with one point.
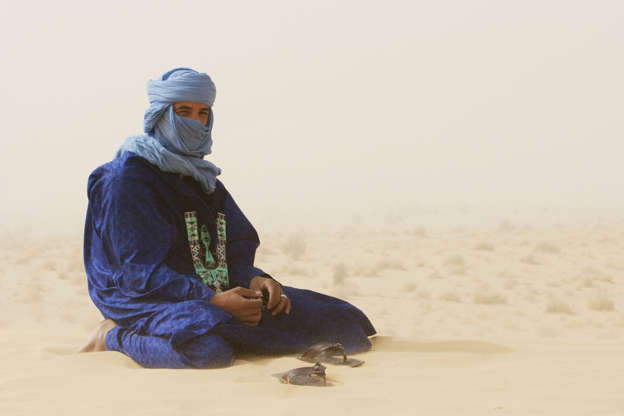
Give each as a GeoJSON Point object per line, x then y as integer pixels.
{"type": "Point", "coordinates": [242, 242]}
{"type": "Point", "coordinates": [138, 233]}
{"type": "Point", "coordinates": [135, 227]}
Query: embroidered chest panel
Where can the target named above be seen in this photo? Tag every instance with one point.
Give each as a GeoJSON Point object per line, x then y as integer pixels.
{"type": "Point", "coordinates": [211, 269]}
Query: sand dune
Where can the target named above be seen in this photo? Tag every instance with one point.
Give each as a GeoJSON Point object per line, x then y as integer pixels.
{"type": "Point", "coordinates": [512, 321]}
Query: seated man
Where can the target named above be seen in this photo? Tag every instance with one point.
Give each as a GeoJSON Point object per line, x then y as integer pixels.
{"type": "Point", "coordinates": [169, 255]}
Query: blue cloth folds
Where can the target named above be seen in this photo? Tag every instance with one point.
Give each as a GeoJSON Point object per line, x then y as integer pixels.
{"type": "Point", "coordinates": [203, 171]}
{"type": "Point", "coordinates": [138, 260]}
{"type": "Point", "coordinates": [140, 274]}
{"type": "Point", "coordinates": [173, 143]}
{"type": "Point", "coordinates": [180, 84]}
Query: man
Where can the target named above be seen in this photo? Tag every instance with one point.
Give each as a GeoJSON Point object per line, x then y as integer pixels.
{"type": "Point", "coordinates": [169, 255]}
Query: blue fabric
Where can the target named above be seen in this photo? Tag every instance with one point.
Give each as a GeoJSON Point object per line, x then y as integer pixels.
{"type": "Point", "coordinates": [140, 274]}
{"type": "Point", "coordinates": [148, 147]}
{"type": "Point", "coordinates": [173, 143]}
{"type": "Point", "coordinates": [182, 135]}
{"type": "Point", "coordinates": [314, 317]}
{"type": "Point", "coordinates": [179, 84]}
{"type": "Point", "coordinates": [204, 351]}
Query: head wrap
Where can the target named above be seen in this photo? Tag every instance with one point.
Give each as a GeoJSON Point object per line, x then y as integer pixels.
{"type": "Point", "coordinates": [173, 143]}
{"type": "Point", "coordinates": [180, 84]}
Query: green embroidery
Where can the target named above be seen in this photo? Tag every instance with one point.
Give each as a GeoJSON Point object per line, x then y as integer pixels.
{"type": "Point", "coordinates": [213, 272]}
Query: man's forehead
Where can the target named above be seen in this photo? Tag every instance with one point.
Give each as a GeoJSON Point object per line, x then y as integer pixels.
{"type": "Point", "coordinates": [180, 104]}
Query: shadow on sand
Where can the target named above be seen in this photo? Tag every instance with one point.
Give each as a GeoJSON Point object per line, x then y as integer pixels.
{"type": "Point", "coordinates": [389, 344]}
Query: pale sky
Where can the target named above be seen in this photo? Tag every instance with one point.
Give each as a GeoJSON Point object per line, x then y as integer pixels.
{"type": "Point", "coordinates": [408, 112]}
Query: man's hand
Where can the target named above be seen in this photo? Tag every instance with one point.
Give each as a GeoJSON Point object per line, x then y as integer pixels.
{"type": "Point", "coordinates": [278, 302]}
{"type": "Point", "coordinates": [236, 302]}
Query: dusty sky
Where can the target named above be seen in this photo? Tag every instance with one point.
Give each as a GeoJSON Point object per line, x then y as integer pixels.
{"type": "Point", "coordinates": [329, 112]}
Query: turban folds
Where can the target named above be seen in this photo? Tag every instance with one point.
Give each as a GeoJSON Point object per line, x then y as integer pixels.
{"type": "Point", "coordinates": [180, 84]}
{"type": "Point", "coordinates": [174, 143]}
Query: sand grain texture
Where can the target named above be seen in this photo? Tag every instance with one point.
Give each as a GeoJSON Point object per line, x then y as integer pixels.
{"type": "Point", "coordinates": [514, 321]}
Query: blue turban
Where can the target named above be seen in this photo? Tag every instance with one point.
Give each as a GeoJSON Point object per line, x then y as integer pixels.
{"type": "Point", "coordinates": [180, 84]}
{"type": "Point", "coordinates": [174, 143]}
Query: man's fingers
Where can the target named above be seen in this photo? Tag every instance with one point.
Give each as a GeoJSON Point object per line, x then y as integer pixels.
{"type": "Point", "coordinates": [243, 291]}
{"type": "Point", "coordinates": [254, 318]}
{"type": "Point", "coordinates": [274, 295]}
{"type": "Point", "coordinates": [252, 306]}
{"type": "Point", "coordinates": [288, 306]}
{"type": "Point", "coordinates": [251, 318]}
{"type": "Point", "coordinates": [280, 307]}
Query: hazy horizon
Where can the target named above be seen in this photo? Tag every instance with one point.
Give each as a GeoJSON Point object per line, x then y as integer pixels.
{"type": "Point", "coordinates": [337, 112]}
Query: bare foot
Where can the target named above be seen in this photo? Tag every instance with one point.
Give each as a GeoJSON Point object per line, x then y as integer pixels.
{"type": "Point", "coordinates": [98, 339]}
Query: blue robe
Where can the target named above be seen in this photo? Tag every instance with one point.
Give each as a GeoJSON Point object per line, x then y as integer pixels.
{"type": "Point", "coordinates": [141, 275]}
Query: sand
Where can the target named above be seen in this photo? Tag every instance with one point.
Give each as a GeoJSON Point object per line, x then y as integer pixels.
{"type": "Point", "coordinates": [515, 320]}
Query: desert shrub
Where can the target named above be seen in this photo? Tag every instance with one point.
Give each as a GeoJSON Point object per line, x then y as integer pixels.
{"type": "Point", "coordinates": [455, 260]}
{"type": "Point", "coordinates": [599, 301]}
{"type": "Point", "coordinates": [424, 294]}
{"type": "Point", "coordinates": [484, 246]}
{"type": "Point", "coordinates": [547, 248]}
{"type": "Point", "coordinates": [489, 298]}
{"type": "Point", "coordinates": [559, 306]}
{"type": "Point", "coordinates": [450, 297]}
{"type": "Point", "coordinates": [390, 264]}
{"type": "Point", "coordinates": [340, 273]}
{"type": "Point", "coordinates": [506, 226]}
{"type": "Point", "coordinates": [530, 259]}
{"type": "Point", "coordinates": [295, 246]}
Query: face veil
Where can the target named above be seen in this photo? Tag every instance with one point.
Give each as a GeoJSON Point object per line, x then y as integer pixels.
{"type": "Point", "coordinates": [173, 143]}
{"type": "Point", "coordinates": [183, 135]}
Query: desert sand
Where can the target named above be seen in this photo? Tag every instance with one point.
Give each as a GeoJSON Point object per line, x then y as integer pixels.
{"type": "Point", "coordinates": [514, 320]}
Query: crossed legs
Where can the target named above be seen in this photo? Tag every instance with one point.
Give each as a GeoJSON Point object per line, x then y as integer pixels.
{"type": "Point", "coordinates": [205, 351]}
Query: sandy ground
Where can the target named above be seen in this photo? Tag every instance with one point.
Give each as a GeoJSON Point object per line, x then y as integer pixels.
{"type": "Point", "coordinates": [510, 321]}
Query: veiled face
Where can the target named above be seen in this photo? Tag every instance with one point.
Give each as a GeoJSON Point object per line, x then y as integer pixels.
{"type": "Point", "coordinates": [193, 110]}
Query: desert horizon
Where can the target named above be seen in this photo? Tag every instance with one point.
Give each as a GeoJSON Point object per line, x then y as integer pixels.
{"type": "Point", "coordinates": [453, 169]}
{"type": "Point", "coordinates": [514, 320]}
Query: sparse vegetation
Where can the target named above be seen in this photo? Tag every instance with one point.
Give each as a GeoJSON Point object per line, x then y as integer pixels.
{"type": "Point", "coordinates": [455, 260]}
{"type": "Point", "coordinates": [599, 301]}
{"type": "Point", "coordinates": [484, 246]}
{"type": "Point", "coordinates": [295, 246]}
{"type": "Point", "coordinates": [340, 273]}
{"type": "Point", "coordinates": [547, 248]}
{"type": "Point", "coordinates": [489, 298]}
{"type": "Point", "coordinates": [450, 297]}
{"type": "Point", "coordinates": [559, 306]}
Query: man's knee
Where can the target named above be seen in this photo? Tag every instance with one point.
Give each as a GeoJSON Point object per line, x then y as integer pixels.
{"type": "Point", "coordinates": [207, 351]}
